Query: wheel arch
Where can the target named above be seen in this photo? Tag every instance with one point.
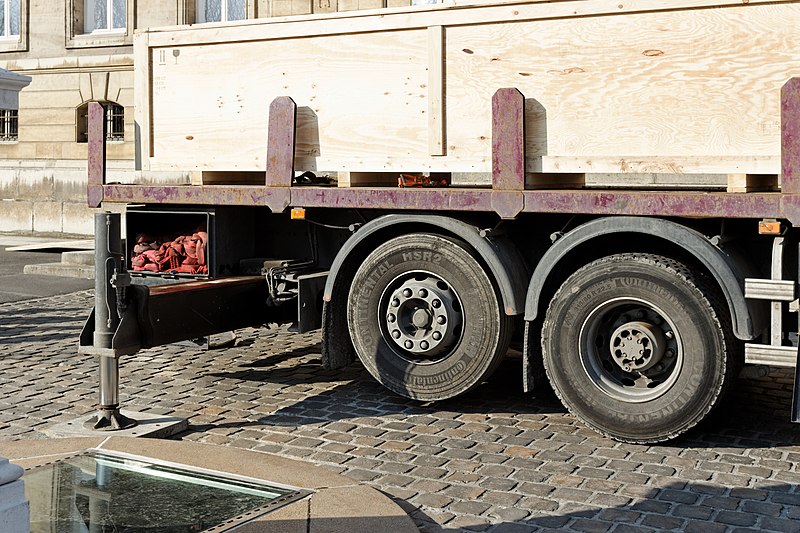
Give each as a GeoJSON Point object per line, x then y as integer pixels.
{"type": "Point", "coordinates": [506, 265]}
{"type": "Point", "coordinates": [719, 264]}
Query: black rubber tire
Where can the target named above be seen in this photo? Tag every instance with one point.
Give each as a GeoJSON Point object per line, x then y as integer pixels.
{"type": "Point", "coordinates": [578, 335]}
{"type": "Point", "coordinates": [471, 355]}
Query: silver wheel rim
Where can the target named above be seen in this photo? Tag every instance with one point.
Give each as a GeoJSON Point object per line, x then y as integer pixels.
{"type": "Point", "coordinates": [631, 350]}
{"type": "Point", "coordinates": [420, 317]}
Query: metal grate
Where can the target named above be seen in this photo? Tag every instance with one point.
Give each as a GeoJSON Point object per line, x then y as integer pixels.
{"type": "Point", "coordinates": [9, 125]}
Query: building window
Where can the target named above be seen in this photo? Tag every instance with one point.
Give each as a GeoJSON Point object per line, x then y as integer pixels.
{"type": "Point", "coordinates": [9, 125]}
{"type": "Point", "coordinates": [221, 10]}
{"type": "Point", "coordinates": [115, 122]}
{"type": "Point", "coordinates": [104, 15]}
{"type": "Point", "coordinates": [9, 19]}
{"type": "Point", "coordinates": [97, 23]}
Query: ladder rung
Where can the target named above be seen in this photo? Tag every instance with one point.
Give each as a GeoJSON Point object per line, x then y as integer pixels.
{"type": "Point", "coordinates": [765, 354]}
{"type": "Point", "coordinates": [769, 289]}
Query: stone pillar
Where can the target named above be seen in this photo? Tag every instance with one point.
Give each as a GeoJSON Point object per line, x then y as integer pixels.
{"type": "Point", "coordinates": [14, 507]}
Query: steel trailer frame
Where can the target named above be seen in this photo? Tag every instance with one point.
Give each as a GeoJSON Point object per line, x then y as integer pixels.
{"type": "Point", "coordinates": [507, 197]}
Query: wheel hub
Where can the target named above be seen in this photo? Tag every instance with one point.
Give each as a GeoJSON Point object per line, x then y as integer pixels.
{"type": "Point", "coordinates": [423, 316]}
{"type": "Point", "coordinates": [630, 349]}
{"type": "Point", "coordinates": [637, 346]}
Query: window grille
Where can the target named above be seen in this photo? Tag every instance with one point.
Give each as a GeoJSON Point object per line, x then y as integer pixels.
{"type": "Point", "coordinates": [115, 122]}
{"type": "Point", "coordinates": [9, 125]}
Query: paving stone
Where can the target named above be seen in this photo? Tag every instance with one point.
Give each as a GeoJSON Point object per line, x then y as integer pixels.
{"type": "Point", "coordinates": [779, 524]}
{"type": "Point", "coordinates": [435, 501]}
{"type": "Point", "coordinates": [488, 461]}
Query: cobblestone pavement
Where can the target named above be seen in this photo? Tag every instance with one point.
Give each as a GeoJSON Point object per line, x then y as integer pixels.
{"type": "Point", "coordinates": [494, 459]}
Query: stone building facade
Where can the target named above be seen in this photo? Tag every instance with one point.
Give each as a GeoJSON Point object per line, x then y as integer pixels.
{"type": "Point", "coordinates": [77, 51]}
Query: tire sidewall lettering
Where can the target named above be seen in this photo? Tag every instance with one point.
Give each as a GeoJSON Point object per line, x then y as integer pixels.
{"type": "Point", "coordinates": [697, 385]}
{"type": "Point", "coordinates": [383, 360]}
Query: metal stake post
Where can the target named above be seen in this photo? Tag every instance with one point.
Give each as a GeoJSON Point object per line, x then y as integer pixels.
{"type": "Point", "coordinates": [108, 260]}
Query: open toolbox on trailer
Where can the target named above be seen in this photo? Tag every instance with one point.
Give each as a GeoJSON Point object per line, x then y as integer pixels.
{"type": "Point", "coordinates": [159, 225]}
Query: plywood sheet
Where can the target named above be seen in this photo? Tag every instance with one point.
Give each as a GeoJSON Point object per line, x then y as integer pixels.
{"type": "Point", "coordinates": [354, 106]}
{"type": "Point", "coordinates": [656, 87]}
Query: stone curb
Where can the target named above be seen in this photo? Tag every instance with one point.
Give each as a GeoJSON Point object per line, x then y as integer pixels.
{"type": "Point", "coordinates": [337, 503]}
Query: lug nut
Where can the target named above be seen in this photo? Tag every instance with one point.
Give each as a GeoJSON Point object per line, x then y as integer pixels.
{"type": "Point", "coordinates": [391, 318]}
{"type": "Point", "coordinates": [408, 344]}
{"type": "Point", "coordinates": [423, 345]}
{"type": "Point", "coordinates": [396, 334]}
{"type": "Point", "coordinates": [407, 293]}
{"type": "Point", "coordinates": [395, 303]}
{"type": "Point", "coordinates": [441, 319]}
{"type": "Point", "coordinates": [669, 334]}
{"type": "Point", "coordinates": [436, 304]}
{"type": "Point", "coordinates": [436, 336]}
{"type": "Point", "coordinates": [422, 293]}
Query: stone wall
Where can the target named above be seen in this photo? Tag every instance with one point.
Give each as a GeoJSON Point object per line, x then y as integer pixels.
{"type": "Point", "coordinates": [43, 174]}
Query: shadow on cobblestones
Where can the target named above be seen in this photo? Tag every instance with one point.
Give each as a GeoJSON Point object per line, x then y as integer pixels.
{"type": "Point", "coordinates": [29, 323]}
{"type": "Point", "coordinates": [673, 506]}
{"type": "Point", "coordinates": [491, 460]}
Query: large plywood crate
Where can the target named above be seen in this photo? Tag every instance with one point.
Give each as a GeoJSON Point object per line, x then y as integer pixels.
{"type": "Point", "coordinates": [639, 87]}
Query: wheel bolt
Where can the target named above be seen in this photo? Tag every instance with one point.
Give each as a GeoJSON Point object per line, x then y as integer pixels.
{"type": "Point", "coordinates": [395, 303]}
{"type": "Point", "coordinates": [436, 304]}
{"type": "Point", "coordinates": [396, 334]}
{"type": "Point", "coordinates": [408, 344]}
{"type": "Point", "coordinates": [669, 334]}
{"type": "Point", "coordinates": [669, 353]}
{"type": "Point", "coordinates": [423, 345]}
{"type": "Point", "coordinates": [422, 293]}
{"type": "Point", "coordinates": [441, 319]}
{"type": "Point", "coordinates": [436, 336]}
{"type": "Point", "coordinates": [407, 293]}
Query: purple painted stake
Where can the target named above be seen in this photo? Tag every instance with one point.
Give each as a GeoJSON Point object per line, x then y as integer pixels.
{"type": "Point", "coordinates": [508, 140]}
{"type": "Point", "coordinates": [97, 154]}
{"type": "Point", "coordinates": [790, 136]}
{"type": "Point", "coordinates": [280, 142]}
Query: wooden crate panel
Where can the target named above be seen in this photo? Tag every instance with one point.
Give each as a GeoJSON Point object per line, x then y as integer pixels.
{"type": "Point", "coordinates": [342, 94]}
{"type": "Point", "coordinates": [680, 87]}
{"type": "Point", "coordinates": [700, 84]}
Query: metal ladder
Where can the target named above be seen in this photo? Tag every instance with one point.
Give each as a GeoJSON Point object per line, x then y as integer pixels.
{"type": "Point", "coordinates": [779, 292]}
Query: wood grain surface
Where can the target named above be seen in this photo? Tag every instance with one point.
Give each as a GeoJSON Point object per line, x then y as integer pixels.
{"type": "Point", "coordinates": [654, 87]}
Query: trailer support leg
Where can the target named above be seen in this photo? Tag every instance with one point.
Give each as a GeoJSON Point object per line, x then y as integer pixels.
{"type": "Point", "coordinates": [108, 262]}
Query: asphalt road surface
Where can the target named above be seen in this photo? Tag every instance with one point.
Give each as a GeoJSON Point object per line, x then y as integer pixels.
{"type": "Point", "coordinates": [16, 286]}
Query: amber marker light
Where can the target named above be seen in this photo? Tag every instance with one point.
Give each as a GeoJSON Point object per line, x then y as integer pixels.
{"type": "Point", "coordinates": [298, 213]}
{"type": "Point", "coordinates": [769, 227]}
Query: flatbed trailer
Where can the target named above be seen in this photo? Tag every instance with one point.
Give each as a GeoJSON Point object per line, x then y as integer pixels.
{"type": "Point", "coordinates": [638, 305]}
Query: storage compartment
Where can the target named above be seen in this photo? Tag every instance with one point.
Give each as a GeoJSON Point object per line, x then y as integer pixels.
{"type": "Point", "coordinates": [186, 243]}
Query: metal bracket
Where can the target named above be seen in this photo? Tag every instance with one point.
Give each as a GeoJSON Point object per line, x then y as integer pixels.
{"type": "Point", "coordinates": [795, 417]}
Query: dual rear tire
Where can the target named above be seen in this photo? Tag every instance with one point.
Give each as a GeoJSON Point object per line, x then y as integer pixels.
{"type": "Point", "coordinates": [636, 346]}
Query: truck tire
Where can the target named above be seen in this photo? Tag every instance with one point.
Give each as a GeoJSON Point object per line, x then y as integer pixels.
{"type": "Point", "coordinates": [637, 347]}
{"type": "Point", "coordinates": [425, 318]}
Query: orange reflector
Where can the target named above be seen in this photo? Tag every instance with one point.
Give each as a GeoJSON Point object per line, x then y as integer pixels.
{"type": "Point", "coordinates": [769, 227]}
{"type": "Point", "coordinates": [298, 213]}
